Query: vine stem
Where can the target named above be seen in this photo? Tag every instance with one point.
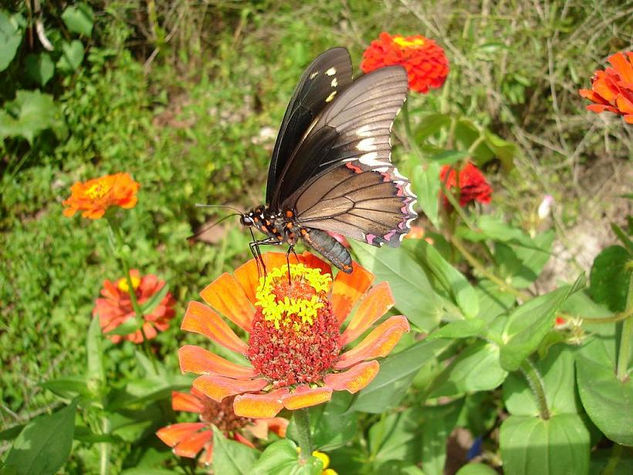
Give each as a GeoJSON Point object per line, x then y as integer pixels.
{"type": "Point", "coordinates": [625, 338]}
{"type": "Point", "coordinates": [302, 422]}
{"type": "Point", "coordinates": [104, 458]}
{"type": "Point", "coordinates": [535, 381]}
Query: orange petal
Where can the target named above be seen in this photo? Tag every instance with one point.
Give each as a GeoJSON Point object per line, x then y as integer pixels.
{"type": "Point", "coordinates": [628, 119]}
{"type": "Point", "coordinates": [623, 67]}
{"type": "Point", "coordinates": [597, 108]}
{"type": "Point", "coordinates": [175, 433]}
{"type": "Point", "coordinates": [624, 104]}
{"type": "Point", "coordinates": [207, 456]}
{"type": "Point", "coordinates": [201, 319]}
{"type": "Point", "coordinates": [243, 440]}
{"type": "Point", "coordinates": [194, 359]}
{"type": "Point", "coordinates": [218, 387]}
{"type": "Point", "coordinates": [305, 396]}
{"type": "Point", "coordinates": [259, 406]}
{"type": "Point", "coordinates": [377, 344]}
{"type": "Point", "coordinates": [314, 262]}
{"type": "Point", "coordinates": [373, 306]}
{"type": "Point", "coordinates": [227, 296]}
{"type": "Point", "coordinates": [278, 425]}
{"type": "Point", "coordinates": [348, 288]}
{"type": "Point", "coordinates": [248, 277]}
{"type": "Point", "coordinates": [191, 446]}
{"type": "Point", "coordinates": [185, 402]}
{"type": "Point", "coordinates": [355, 378]}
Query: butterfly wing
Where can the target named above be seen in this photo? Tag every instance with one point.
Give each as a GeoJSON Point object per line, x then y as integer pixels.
{"type": "Point", "coordinates": [327, 75]}
{"type": "Point", "coordinates": [340, 178]}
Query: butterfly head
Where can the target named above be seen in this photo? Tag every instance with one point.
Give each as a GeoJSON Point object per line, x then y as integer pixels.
{"type": "Point", "coordinates": [254, 217]}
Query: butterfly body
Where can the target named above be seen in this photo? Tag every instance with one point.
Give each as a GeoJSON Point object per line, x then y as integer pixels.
{"type": "Point", "coordinates": [331, 167]}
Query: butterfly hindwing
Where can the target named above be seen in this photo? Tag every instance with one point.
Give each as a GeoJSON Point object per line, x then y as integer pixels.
{"type": "Point", "coordinates": [327, 75]}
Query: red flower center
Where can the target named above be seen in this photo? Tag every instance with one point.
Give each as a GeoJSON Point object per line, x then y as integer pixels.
{"type": "Point", "coordinates": [301, 342]}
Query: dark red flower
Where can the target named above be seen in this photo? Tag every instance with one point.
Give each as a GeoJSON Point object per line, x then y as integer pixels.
{"type": "Point", "coordinates": [424, 60]}
{"type": "Point", "coordinates": [469, 180]}
{"type": "Point", "coordinates": [612, 89]}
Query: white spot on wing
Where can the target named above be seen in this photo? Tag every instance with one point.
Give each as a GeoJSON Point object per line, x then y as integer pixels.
{"type": "Point", "coordinates": [334, 83]}
{"type": "Point", "coordinates": [366, 145]}
{"type": "Point", "coordinates": [331, 71]}
{"type": "Point", "coordinates": [314, 74]}
{"type": "Point", "coordinates": [330, 97]}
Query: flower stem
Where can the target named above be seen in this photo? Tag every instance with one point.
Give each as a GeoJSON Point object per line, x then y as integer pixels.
{"type": "Point", "coordinates": [535, 381]}
{"type": "Point", "coordinates": [625, 338]}
{"type": "Point", "coordinates": [104, 449]}
{"type": "Point", "coordinates": [407, 128]}
{"type": "Point", "coordinates": [302, 422]}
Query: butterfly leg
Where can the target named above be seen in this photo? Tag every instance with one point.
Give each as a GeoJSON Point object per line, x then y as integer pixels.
{"type": "Point", "coordinates": [291, 248]}
{"type": "Point", "coordinates": [254, 246]}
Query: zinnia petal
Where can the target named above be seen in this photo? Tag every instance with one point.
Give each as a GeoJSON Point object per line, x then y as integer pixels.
{"type": "Point", "coordinates": [201, 319]}
{"type": "Point", "coordinates": [226, 295]}
{"type": "Point", "coordinates": [194, 359]}
{"type": "Point", "coordinates": [218, 387]}
{"type": "Point", "coordinates": [175, 433]}
{"type": "Point", "coordinates": [191, 446]}
{"type": "Point", "coordinates": [185, 402]}
{"type": "Point", "coordinates": [355, 378]}
{"type": "Point", "coordinates": [347, 289]}
{"type": "Point", "coordinates": [305, 396]}
{"type": "Point", "coordinates": [259, 405]}
{"type": "Point", "coordinates": [377, 344]}
{"type": "Point", "coordinates": [373, 306]}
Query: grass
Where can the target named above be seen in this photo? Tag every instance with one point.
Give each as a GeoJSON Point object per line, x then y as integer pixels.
{"type": "Point", "coordinates": [185, 104]}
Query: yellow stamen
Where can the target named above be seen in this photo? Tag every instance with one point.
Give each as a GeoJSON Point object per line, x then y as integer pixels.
{"type": "Point", "coordinates": [98, 190]}
{"type": "Point", "coordinates": [278, 310]}
{"type": "Point", "coordinates": [405, 43]}
{"type": "Point", "coordinates": [123, 285]}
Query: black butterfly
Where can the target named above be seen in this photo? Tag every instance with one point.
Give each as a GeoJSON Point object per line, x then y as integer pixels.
{"type": "Point", "coordinates": [331, 166]}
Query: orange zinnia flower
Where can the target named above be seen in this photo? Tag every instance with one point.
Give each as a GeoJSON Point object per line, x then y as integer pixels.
{"type": "Point", "coordinates": [116, 307]}
{"type": "Point", "coordinates": [95, 196]}
{"type": "Point", "coordinates": [612, 89]}
{"type": "Point", "coordinates": [424, 60]}
{"type": "Point", "coordinates": [294, 354]}
{"type": "Point", "coordinates": [470, 181]}
{"type": "Point", "coordinates": [188, 439]}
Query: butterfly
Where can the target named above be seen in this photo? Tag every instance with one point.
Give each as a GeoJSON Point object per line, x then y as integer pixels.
{"type": "Point", "coordinates": [331, 167]}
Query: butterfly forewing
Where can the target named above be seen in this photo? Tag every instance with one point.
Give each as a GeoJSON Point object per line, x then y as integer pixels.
{"type": "Point", "coordinates": [327, 76]}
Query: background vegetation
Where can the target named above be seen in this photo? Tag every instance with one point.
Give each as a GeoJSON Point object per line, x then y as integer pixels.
{"type": "Point", "coordinates": [187, 97]}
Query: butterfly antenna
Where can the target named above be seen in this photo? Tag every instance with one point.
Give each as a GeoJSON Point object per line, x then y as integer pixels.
{"type": "Point", "coordinates": [202, 205]}
{"type": "Point", "coordinates": [213, 225]}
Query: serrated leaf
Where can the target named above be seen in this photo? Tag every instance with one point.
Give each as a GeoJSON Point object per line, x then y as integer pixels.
{"type": "Point", "coordinates": [39, 67]}
{"type": "Point", "coordinates": [529, 323]}
{"type": "Point", "coordinates": [72, 56]}
{"type": "Point", "coordinates": [44, 444]}
{"type": "Point", "coordinates": [532, 445]}
{"type": "Point", "coordinates": [79, 18]}
{"type": "Point", "coordinates": [395, 375]}
{"type": "Point", "coordinates": [609, 277]}
{"type": "Point", "coordinates": [607, 400]}
{"type": "Point", "coordinates": [409, 284]}
{"type": "Point", "coordinates": [10, 39]}
{"type": "Point", "coordinates": [29, 114]}
{"type": "Point", "coordinates": [231, 457]}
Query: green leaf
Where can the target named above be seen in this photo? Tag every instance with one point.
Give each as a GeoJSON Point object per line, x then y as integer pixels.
{"type": "Point", "coordinates": [532, 445]}
{"type": "Point", "coordinates": [395, 375]}
{"type": "Point", "coordinates": [39, 67]}
{"type": "Point", "coordinates": [607, 400]}
{"type": "Point", "coordinates": [492, 301]}
{"type": "Point", "coordinates": [44, 444]}
{"type": "Point", "coordinates": [624, 239]}
{"type": "Point", "coordinates": [505, 151]}
{"type": "Point", "coordinates": [231, 457]}
{"type": "Point", "coordinates": [29, 114]}
{"type": "Point", "coordinates": [331, 425]}
{"type": "Point", "coordinates": [282, 457]}
{"type": "Point", "coordinates": [396, 436]}
{"type": "Point", "coordinates": [69, 387]}
{"type": "Point", "coordinates": [437, 424]}
{"type": "Point", "coordinates": [426, 185]}
{"type": "Point", "coordinates": [11, 433]}
{"type": "Point", "coordinates": [72, 56]}
{"type": "Point", "coordinates": [460, 329]}
{"type": "Point", "coordinates": [449, 278]}
{"type": "Point", "coordinates": [147, 390]}
{"type": "Point", "coordinates": [529, 323]}
{"type": "Point", "coordinates": [491, 227]}
{"type": "Point", "coordinates": [475, 369]}
{"type": "Point", "coordinates": [409, 284]}
{"type": "Point", "coordinates": [79, 18]}
{"type": "Point", "coordinates": [430, 124]}
{"type": "Point", "coordinates": [610, 277]}
{"type": "Point", "coordinates": [10, 39]}
{"type": "Point", "coordinates": [557, 376]}
{"type": "Point", "coordinates": [130, 325]}
{"type": "Point", "coordinates": [476, 469]}
{"type": "Point", "coordinates": [522, 263]}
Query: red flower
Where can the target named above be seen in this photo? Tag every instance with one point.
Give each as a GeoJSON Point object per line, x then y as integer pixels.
{"type": "Point", "coordinates": [295, 351]}
{"type": "Point", "coordinates": [612, 89]}
{"type": "Point", "coordinates": [95, 196]}
{"type": "Point", "coordinates": [472, 184]}
{"type": "Point", "coordinates": [424, 60]}
{"type": "Point", "coordinates": [116, 307]}
{"type": "Point", "coordinates": [188, 439]}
